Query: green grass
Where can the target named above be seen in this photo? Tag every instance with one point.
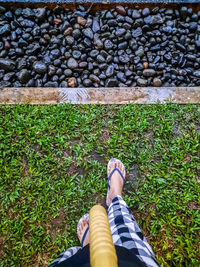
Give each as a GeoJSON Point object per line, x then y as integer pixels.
{"type": "Point", "coordinates": [53, 169]}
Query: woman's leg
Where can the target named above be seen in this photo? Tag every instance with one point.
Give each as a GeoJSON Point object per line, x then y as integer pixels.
{"type": "Point", "coordinates": [125, 231]}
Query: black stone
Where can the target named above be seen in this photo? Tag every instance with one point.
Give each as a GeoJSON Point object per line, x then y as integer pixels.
{"type": "Point", "coordinates": [72, 63]}
{"type": "Point", "coordinates": [27, 23]}
{"type": "Point", "coordinates": [123, 45]}
{"type": "Point", "coordinates": [39, 67]}
{"type": "Point", "coordinates": [24, 76]}
{"type": "Point", "coordinates": [7, 64]}
{"type": "Point", "coordinates": [112, 23]}
{"type": "Point", "coordinates": [149, 72]}
{"type": "Point", "coordinates": [87, 42]}
{"type": "Point", "coordinates": [40, 13]}
{"type": "Point", "coordinates": [111, 82]}
{"type": "Point", "coordinates": [148, 19]}
{"type": "Point", "coordinates": [145, 12]}
{"type": "Point", "coordinates": [120, 31]}
{"type": "Point", "coordinates": [87, 82]}
{"type": "Point", "coordinates": [197, 73]}
{"type": "Point", "coordinates": [76, 54]}
{"type": "Point", "coordinates": [5, 30]}
{"type": "Point", "coordinates": [28, 13]}
{"type": "Point", "coordinates": [108, 44]}
{"type": "Point", "coordinates": [88, 33]}
{"type": "Point", "coordinates": [137, 32]}
{"type": "Point", "coordinates": [156, 20]}
{"type": "Point", "coordinates": [193, 26]}
{"type": "Point", "coordinates": [155, 47]}
{"type": "Point", "coordinates": [121, 77]}
{"type": "Point", "coordinates": [51, 84]}
{"type": "Point", "coordinates": [94, 78]}
{"type": "Point", "coordinates": [2, 10]}
{"type": "Point", "coordinates": [95, 25]}
{"type": "Point", "coordinates": [197, 42]}
{"type": "Point", "coordinates": [180, 47]}
{"type": "Point", "coordinates": [124, 59]}
{"type": "Point", "coordinates": [9, 15]}
{"type": "Point", "coordinates": [100, 59]}
{"type": "Point", "coordinates": [110, 71]}
{"type": "Point", "coordinates": [55, 53]}
{"type": "Point", "coordinates": [8, 76]}
{"type": "Point", "coordinates": [136, 14]}
{"type": "Point", "coordinates": [183, 12]}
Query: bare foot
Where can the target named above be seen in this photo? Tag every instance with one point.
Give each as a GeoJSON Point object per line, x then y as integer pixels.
{"type": "Point", "coordinates": [82, 228]}
{"type": "Point", "coordinates": [116, 182]}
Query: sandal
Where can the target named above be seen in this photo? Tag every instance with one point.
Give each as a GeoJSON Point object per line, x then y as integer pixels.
{"type": "Point", "coordinates": [110, 175]}
{"type": "Point", "coordinates": [86, 216]}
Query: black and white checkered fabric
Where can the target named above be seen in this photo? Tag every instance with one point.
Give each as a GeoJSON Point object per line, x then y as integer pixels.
{"type": "Point", "coordinates": [65, 255]}
{"type": "Point", "coordinates": [125, 232]}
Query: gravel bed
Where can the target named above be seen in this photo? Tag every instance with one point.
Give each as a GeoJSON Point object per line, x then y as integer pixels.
{"type": "Point", "coordinates": [119, 47]}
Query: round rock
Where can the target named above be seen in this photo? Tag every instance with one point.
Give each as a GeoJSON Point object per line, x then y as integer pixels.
{"type": "Point", "coordinates": [7, 64]}
{"type": "Point", "coordinates": [72, 63]}
{"type": "Point", "coordinates": [157, 82]}
{"type": "Point", "coordinates": [39, 67]}
{"type": "Point", "coordinates": [149, 72]}
{"type": "Point", "coordinates": [142, 82]}
{"type": "Point", "coordinates": [108, 44]}
{"type": "Point", "coordinates": [24, 76]}
{"type": "Point", "coordinates": [120, 10]}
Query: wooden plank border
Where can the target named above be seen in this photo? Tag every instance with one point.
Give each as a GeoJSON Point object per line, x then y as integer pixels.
{"type": "Point", "coordinates": [118, 95]}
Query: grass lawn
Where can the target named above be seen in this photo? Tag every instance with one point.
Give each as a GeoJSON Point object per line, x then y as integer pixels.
{"type": "Point", "coordinates": [53, 170]}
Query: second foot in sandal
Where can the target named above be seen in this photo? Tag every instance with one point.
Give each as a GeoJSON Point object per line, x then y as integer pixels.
{"type": "Point", "coordinates": [83, 231]}
{"type": "Point", "coordinates": [116, 178]}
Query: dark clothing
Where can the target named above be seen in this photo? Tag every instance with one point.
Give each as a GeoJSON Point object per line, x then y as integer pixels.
{"type": "Point", "coordinates": [82, 259]}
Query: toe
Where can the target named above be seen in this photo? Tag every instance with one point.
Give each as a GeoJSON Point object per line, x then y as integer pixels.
{"type": "Point", "coordinates": [84, 223]}
{"type": "Point", "coordinates": [111, 166]}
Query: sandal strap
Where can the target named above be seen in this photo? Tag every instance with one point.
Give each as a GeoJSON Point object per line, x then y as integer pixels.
{"type": "Point", "coordinates": [110, 175]}
{"type": "Point", "coordinates": [84, 236]}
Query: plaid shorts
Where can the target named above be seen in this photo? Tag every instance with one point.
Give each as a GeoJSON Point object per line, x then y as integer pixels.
{"type": "Point", "coordinates": [125, 232]}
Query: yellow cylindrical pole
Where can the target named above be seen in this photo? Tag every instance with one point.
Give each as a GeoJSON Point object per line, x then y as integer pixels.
{"type": "Point", "coordinates": [102, 249]}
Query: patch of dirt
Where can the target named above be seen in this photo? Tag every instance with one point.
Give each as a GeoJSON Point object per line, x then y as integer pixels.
{"type": "Point", "coordinates": [176, 130]}
{"type": "Point", "coordinates": [133, 175]}
{"type": "Point", "coordinates": [193, 205]}
{"type": "Point", "coordinates": [56, 225]}
{"type": "Point", "coordinates": [56, 222]}
{"type": "Point", "coordinates": [197, 177]}
{"type": "Point", "coordinates": [144, 173]}
{"type": "Point", "coordinates": [11, 215]}
{"type": "Point", "coordinates": [101, 200]}
{"type": "Point", "coordinates": [72, 142]}
{"type": "Point", "coordinates": [149, 137]}
{"type": "Point", "coordinates": [72, 168]}
{"type": "Point", "coordinates": [65, 154]}
{"type": "Point", "coordinates": [187, 158]}
{"type": "Point", "coordinates": [106, 135]}
{"type": "Point", "coordinates": [1, 245]}
{"type": "Point", "coordinates": [40, 259]}
{"type": "Point", "coordinates": [97, 157]}
{"type": "Point", "coordinates": [36, 148]}
{"type": "Point", "coordinates": [24, 163]}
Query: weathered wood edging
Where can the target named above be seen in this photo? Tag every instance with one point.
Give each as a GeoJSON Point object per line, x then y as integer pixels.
{"type": "Point", "coordinates": [125, 95]}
